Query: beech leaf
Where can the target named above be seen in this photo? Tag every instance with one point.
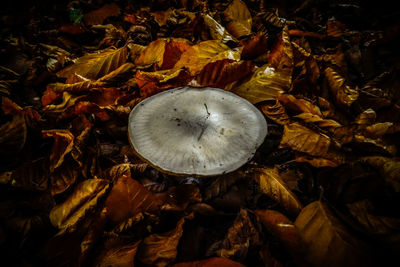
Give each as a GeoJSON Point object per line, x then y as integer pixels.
{"type": "Point", "coordinates": [63, 144]}
{"type": "Point", "coordinates": [95, 65]}
{"type": "Point", "coordinates": [343, 93]}
{"type": "Point", "coordinates": [239, 19]}
{"type": "Point", "coordinates": [272, 185]}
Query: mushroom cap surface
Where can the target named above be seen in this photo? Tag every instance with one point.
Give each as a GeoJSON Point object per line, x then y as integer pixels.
{"type": "Point", "coordinates": [196, 131]}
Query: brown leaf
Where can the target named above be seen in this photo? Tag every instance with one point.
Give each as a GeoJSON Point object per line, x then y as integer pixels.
{"type": "Point", "coordinates": [389, 168]}
{"type": "Point", "coordinates": [299, 105]}
{"type": "Point", "coordinates": [211, 262]}
{"type": "Point", "coordinates": [63, 177]}
{"type": "Point", "coordinates": [223, 72]}
{"type": "Point", "coordinates": [266, 83]}
{"type": "Point", "coordinates": [127, 198]}
{"type": "Point", "coordinates": [283, 229]}
{"type": "Point", "coordinates": [326, 240]}
{"type": "Point", "coordinates": [161, 249]}
{"type": "Point", "coordinates": [329, 125]}
{"type": "Point", "coordinates": [238, 19]}
{"type": "Point", "coordinates": [95, 65]}
{"type": "Point", "coordinates": [99, 15]}
{"type": "Point", "coordinates": [272, 185]}
{"type": "Point", "coordinates": [81, 203]}
{"type": "Point", "coordinates": [30, 115]}
{"type": "Point", "coordinates": [199, 55]}
{"type": "Point", "coordinates": [274, 110]}
{"type": "Point", "coordinates": [63, 144]}
{"type": "Point", "coordinates": [12, 137]}
{"type": "Point", "coordinates": [254, 46]}
{"type": "Point", "coordinates": [281, 55]}
{"type": "Point", "coordinates": [118, 256]}
{"type": "Point", "coordinates": [221, 185]}
{"type": "Point", "coordinates": [178, 198]}
{"type": "Point", "coordinates": [344, 94]}
{"type": "Point", "coordinates": [163, 53]}
{"type": "Point", "coordinates": [241, 236]}
{"type": "Point", "coordinates": [335, 28]}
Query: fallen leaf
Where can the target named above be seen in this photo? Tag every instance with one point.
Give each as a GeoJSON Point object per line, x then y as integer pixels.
{"type": "Point", "coordinates": [273, 186]}
{"type": "Point", "coordinates": [326, 240]}
{"type": "Point", "coordinates": [63, 177]}
{"type": "Point", "coordinates": [241, 236]}
{"type": "Point", "coordinates": [63, 144]}
{"type": "Point", "coordinates": [217, 31]}
{"type": "Point", "coordinates": [223, 72]}
{"type": "Point", "coordinates": [99, 15]}
{"type": "Point", "coordinates": [274, 110]}
{"type": "Point", "coordinates": [127, 198]}
{"type": "Point", "coordinates": [180, 197]}
{"type": "Point", "coordinates": [327, 124]}
{"type": "Point", "coordinates": [281, 55]}
{"type": "Point", "coordinates": [221, 185]}
{"type": "Point", "coordinates": [211, 262]}
{"type": "Point", "coordinates": [161, 249]}
{"type": "Point", "coordinates": [343, 93]}
{"type": "Point", "coordinates": [95, 65]}
{"type": "Point", "coordinates": [30, 115]}
{"type": "Point", "coordinates": [238, 19]}
{"type": "Point", "coordinates": [199, 55]}
{"type": "Point", "coordinates": [266, 83]}
{"type": "Point", "coordinates": [299, 105]}
{"type": "Point", "coordinates": [12, 137]}
{"type": "Point", "coordinates": [81, 203]}
{"type": "Point", "coordinates": [254, 46]}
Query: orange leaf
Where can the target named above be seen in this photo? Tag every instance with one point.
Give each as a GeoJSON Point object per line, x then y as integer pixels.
{"type": "Point", "coordinates": [72, 29]}
{"type": "Point", "coordinates": [63, 143]}
{"type": "Point", "coordinates": [99, 15]}
{"type": "Point", "coordinates": [223, 72]}
{"type": "Point", "coordinates": [211, 262]}
{"type": "Point", "coordinates": [281, 55]}
{"type": "Point", "coordinates": [127, 198]}
{"type": "Point", "coordinates": [254, 46]}
{"type": "Point", "coordinates": [300, 105]}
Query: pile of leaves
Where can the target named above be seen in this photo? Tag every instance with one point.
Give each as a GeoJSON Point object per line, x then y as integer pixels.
{"type": "Point", "coordinates": [323, 190]}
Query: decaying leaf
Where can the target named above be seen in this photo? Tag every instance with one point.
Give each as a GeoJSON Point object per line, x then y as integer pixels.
{"type": "Point", "coordinates": [63, 144]}
{"type": "Point", "coordinates": [238, 19]}
{"type": "Point", "coordinates": [299, 105]}
{"type": "Point", "coordinates": [95, 65]}
{"type": "Point", "coordinates": [197, 56]}
{"type": "Point", "coordinates": [326, 240]}
{"type": "Point", "coordinates": [281, 55]}
{"type": "Point", "coordinates": [160, 249]}
{"type": "Point", "coordinates": [240, 237]}
{"type": "Point", "coordinates": [343, 93]}
{"type": "Point", "coordinates": [12, 137]}
{"type": "Point", "coordinates": [274, 110]}
{"type": "Point", "coordinates": [127, 198]}
{"type": "Point", "coordinates": [119, 256]}
{"type": "Point", "coordinates": [272, 185]}
{"type": "Point", "coordinates": [254, 46]}
{"type": "Point", "coordinates": [180, 197]}
{"type": "Point", "coordinates": [81, 203]}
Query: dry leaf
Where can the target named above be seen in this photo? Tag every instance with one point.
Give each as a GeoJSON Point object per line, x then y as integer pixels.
{"type": "Point", "coordinates": [127, 198]}
{"type": "Point", "coordinates": [266, 83]}
{"type": "Point", "coordinates": [81, 203]}
{"type": "Point", "coordinates": [99, 15]}
{"type": "Point", "coordinates": [180, 197]}
{"type": "Point", "coordinates": [274, 110]}
{"type": "Point", "coordinates": [217, 31]}
{"type": "Point", "coordinates": [326, 240]}
{"type": "Point", "coordinates": [329, 125]}
{"type": "Point", "coordinates": [63, 177]}
{"type": "Point", "coordinates": [63, 144]}
{"type": "Point", "coordinates": [161, 249]}
{"type": "Point", "coordinates": [281, 55]}
{"type": "Point", "coordinates": [343, 93]}
{"type": "Point", "coordinates": [254, 46]}
{"type": "Point", "coordinates": [273, 186]}
{"type": "Point", "coordinates": [118, 256]}
{"type": "Point", "coordinates": [238, 19]}
{"type": "Point", "coordinates": [12, 137]}
{"type": "Point", "coordinates": [299, 105]}
{"type": "Point", "coordinates": [197, 56]}
{"type": "Point", "coordinates": [95, 65]}
{"type": "Point", "coordinates": [211, 262]}
{"type": "Point", "coordinates": [223, 72]}
{"type": "Point", "coordinates": [240, 237]}
{"type": "Point", "coordinates": [30, 115]}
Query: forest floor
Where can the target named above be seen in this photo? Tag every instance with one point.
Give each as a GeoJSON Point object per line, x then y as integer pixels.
{"type": "Point", "coordinates": [322, 190]}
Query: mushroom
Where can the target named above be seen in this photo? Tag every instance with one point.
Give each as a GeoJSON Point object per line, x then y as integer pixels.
{"type": "Point", "coordinates": [196, 131]}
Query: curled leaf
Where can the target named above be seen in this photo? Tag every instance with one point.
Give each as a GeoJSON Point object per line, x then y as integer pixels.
{"type": "Point", "coordinates": [238, 19]}
{"type": "Point", "coordinates": [343, 93]}
{"type": "Point", "coordinates": [274, 110]}
{"type": "Point", "coordinates": [254, 46]}
{"type": "Point", "coordinates": [63, 143]}
{"type": "Point", "coordinates": [299, 105]}
{"type": "Point", "coordinates": [161, 249]}
{"type": "Point", "coordinates": [81, 203]}
{"type": "Point", "coordinates": [272, 185]}
{"type": "Point", "coordinates": [217, 31]}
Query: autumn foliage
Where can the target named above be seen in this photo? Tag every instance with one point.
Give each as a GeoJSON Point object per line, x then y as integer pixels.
{"type": "Point", "coordinates": [323, 189]}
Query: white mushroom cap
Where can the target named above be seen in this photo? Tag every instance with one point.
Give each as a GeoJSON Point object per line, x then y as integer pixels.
{"type": "Point", "coordinates": [196, 131]}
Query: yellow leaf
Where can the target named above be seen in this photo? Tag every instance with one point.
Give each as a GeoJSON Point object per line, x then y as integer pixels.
{"type": "Point", "coordinates": [95, 65]}
{"type": "Point", "coordinates": [272, 185]}
{"type": "Point", "coordinates": [239, 19]}
{"type": "Point", "coordinates": [266, 83]}
{"type": "Point", "coordinates": [197, 56]}
{"type": "Point", "coordinates": [217, 31]}
{"type": "Point", "coordinates": [343, 93]}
